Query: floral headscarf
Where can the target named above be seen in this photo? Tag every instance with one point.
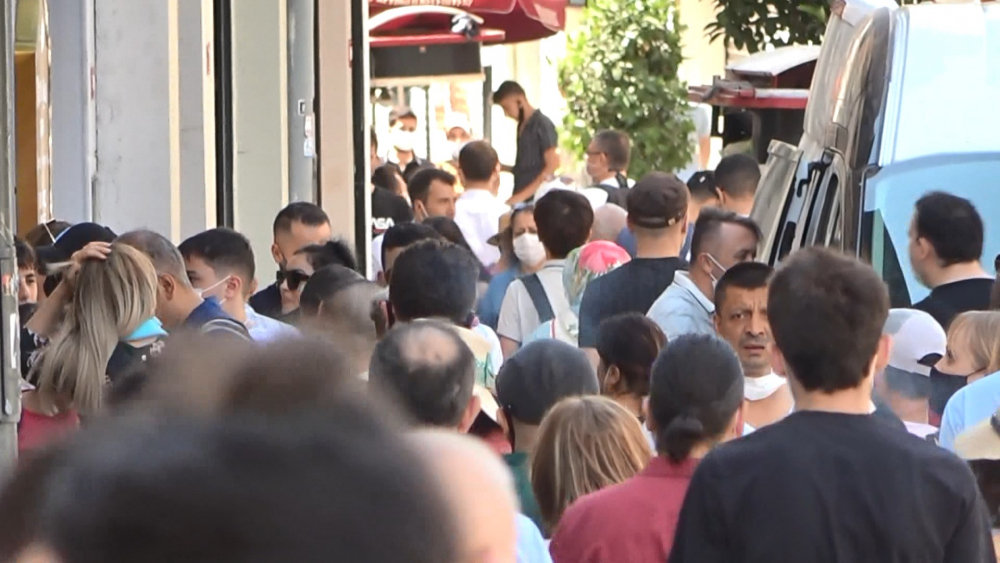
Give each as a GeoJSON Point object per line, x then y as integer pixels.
{"type": "Point", "coordinates": [586, 264]}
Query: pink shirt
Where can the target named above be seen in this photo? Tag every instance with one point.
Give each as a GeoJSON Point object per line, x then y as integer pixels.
{"type": "Point", "coordinates": [633, 521]}
{"type": "Point", "coordinates": [37, 430]}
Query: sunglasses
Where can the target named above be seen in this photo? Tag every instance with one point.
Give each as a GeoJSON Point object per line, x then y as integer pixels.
{"type": "Point", "coordinates": [294, 278]}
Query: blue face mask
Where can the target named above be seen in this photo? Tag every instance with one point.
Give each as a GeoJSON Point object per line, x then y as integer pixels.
{"type": "Point", "coordinates": [149, 329]}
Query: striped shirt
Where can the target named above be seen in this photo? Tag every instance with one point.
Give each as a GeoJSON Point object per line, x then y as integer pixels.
{"type": "Point", "coordinates": [537, 136]}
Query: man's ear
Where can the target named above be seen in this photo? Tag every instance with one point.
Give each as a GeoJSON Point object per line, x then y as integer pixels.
{"type": "Point", "coordinates": [881, 359]}
{"type": "Point", "coordinates": [168, 285]}
{"type": "Point", "coordinates": [612, 378]}
{"type": "Point", "coordinates": [234, 287]}
{"type": "Point", "coordinates": [717, 321]}
{"type": "Point", "coordinates": [276, 253]}
{"type": "Point", "coordinates": [253, 287]}
{"type": "Point", "coordinates": [777, 361]}
{"type": "Point", "coordinates": [470, 414]}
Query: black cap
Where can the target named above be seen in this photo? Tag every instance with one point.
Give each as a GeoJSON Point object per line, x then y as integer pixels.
{"type": "Point", "coordinates": [657, 201]}
{"type": "Point", "coordinates": [72, 240]}
{"type": "Point", "coordinates": [541, 374]}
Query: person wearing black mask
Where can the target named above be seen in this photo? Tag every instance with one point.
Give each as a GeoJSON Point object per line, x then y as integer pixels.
{"type": "Point", "coordinates": [537, 142]}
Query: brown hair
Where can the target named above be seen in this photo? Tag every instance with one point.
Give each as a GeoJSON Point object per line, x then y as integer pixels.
{"type": "Point", "coordinates": [979, 330]}
{"type": "Point", "coordinates": [584, 445]}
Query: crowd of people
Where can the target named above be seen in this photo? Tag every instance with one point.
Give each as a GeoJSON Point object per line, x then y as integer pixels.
{"type": "Point", "coordinates": [562, 376]}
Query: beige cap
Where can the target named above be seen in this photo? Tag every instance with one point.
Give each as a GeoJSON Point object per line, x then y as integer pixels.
{"type": "Point", "coordinates": [502, 225]}
{"type": "Point", "coordinates": [487, 402]}
{"type": "Point", "coordinates": [981, 441]}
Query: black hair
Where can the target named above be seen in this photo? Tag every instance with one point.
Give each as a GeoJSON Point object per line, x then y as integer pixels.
{"type": "Point", "coordinates": [507, 89]}
{"type": "Point", "coordinates": [451, 232]}
{"type": "Point", "coordinates": [413, 170]}
{"type": "Point", "coordinates": [45, 233]}
{"type": "Point", "coordinates": [334, 252]}
{"type": "Point", "coordinates": [952, 226]}
{"type": "Point", "coordinates": [564, 220]}
{"type": "Point", "coordinates": [738, 175]}
{"type": "Point", "coordinates": [702, 186]}
{"type": "Point", "coordinates": [696, 389]}
{"type": "Point", "coordinates": [405, 234]}
{"type": "Point", "coordinates": [175, 488]}
{"type": "Point", "coordinates": [427, 368]}
{"type": "Point", "coordinates": [308, 214]}
{"type": "Point", "coordinates": [478, 161]}
{"type": "Point", "coordinates": [617, 146]}
{"type": "Point", "coordinates": [26, 257]}
{"type": "Point", "coordinates": [631, 342]}
{"type": "Point", "coordinates": [709, 225]}
{"type": "Point", "coordinates": [827, 312]}
{"type": "Point", "coordinates": [324, 284]}
{"type": "Point", "coordinates": [910, 385]}
{"type": "Point", "coordinates": [385, 177]}
{"type": "Point", "coordinates": [434, 279]}
{"type": "Point", "coordinates": [745, 275]}
{"type": "Point", "coordinates": [401, 112]}
{"type": "Point", "coordinates": [224, 250]}
{"type": "Point", "coordinates": [419, 185]}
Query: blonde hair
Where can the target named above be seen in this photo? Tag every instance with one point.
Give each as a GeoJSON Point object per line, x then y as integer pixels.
{"type": "Point", "coordinates": [111, 299]}
{"type": "Point", "coordinates": [584, 444]}
{"type": "Point", "coordinates": [980, 332]}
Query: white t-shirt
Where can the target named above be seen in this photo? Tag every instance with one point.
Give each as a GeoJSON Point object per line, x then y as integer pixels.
{"type": "Point", "coordinates": [377, 256]}
{"type": "Point", "coordinates": [701, 115]}
{"type": "Point", "coordinates": [477, 213]}
{"type": "Point", "coordinates": [518, 316]}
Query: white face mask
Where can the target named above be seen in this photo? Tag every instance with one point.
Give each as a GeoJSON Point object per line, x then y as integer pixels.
{"type": "Point", "coordinates": [529, 250]}
{"type": "Point", "coordinates": [715, 280]}
{"type": "Point", "coordinates": [403, 140]}
{"type": "Point", "coordinates": [760, 388]}
{"type": "Point", "coordinates": [201, 292]}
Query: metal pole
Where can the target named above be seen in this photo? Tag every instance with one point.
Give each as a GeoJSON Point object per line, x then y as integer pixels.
{"type": "Point", "coordinates": [10, 378]}
{"type": "Point", "coordinates": [361, 105]}
{"type": "Point", "coordinates": [301, 93]}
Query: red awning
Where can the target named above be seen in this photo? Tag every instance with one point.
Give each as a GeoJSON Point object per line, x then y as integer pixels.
{"type": "Point", "coordinates": [519, 20]}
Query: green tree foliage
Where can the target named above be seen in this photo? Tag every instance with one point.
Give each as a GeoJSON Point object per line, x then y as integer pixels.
{"type": "Point", "coordinates": [620, 73]}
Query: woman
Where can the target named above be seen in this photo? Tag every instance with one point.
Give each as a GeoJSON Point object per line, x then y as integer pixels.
{"type": "Point", "coordinates": [584, 445]}
{"type": "Point", "coordinates": [111, 313]}
{"type": "Point", "coordinates": [627, 346]}
{"type": "Point", "coordinates": [305, 262]}
{"type": "Point", "coordinates": [583, 266]}
{"type": "Point", "coordinates": [521, 254]}
{"type": "Point", "coordinates": [973, 353]}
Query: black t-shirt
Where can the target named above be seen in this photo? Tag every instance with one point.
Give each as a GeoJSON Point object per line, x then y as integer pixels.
{"type": "Point", "coordinates": [633, 288]}
{"type": "Point", "coordinates": [952, 299]}
{"type": "Point", "coordinates": [267, 301]}
{"type": "Point", "coordinates": [838, 488]}
{"type": "Point", "coordinates": [536, 137]}
{"type": "Point", "coordinates": [388, 209]}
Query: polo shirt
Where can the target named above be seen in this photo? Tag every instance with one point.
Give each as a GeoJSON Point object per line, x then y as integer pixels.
{"type": "Point", "coordinates": [477, 214]}
{"type": "Point", "coordinates": [518, 316]}
{"type": "Point", "coordinates": [968, 407]}
{"type": "Point", "coordinates": [683, 309]}
{"type": "Point", "coordinates": [633, 521]}
{"type": "Point", "coordinates": [519, 466]}
{"type": "Point", "coordinates": [537, 136]}
{"type": "Point", "coordinates": [266, 329]}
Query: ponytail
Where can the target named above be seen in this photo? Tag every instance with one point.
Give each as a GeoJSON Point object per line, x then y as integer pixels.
{"type": "Point", "coordinates": [680, 437]}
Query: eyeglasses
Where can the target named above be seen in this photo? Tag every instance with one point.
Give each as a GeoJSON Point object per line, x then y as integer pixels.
{"type": "Point", "coordinates": [293, 278]}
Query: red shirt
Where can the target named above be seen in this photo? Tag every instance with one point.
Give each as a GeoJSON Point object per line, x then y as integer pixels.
{"type": "Point", "coordinates": [633, 521]}
{"type": "Point", "coordinates": [37, 430]}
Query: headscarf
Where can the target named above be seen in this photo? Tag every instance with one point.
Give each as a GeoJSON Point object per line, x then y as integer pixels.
{"type": "Point", "coordinates": [582, 266]}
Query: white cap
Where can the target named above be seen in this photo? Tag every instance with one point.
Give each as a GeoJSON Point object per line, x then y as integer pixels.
{"type": "Point", "coordinates": [459, 121]}
{"type": "Point", "coordinates": [918, 341]}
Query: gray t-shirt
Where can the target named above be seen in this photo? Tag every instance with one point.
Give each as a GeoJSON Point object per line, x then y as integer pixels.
{"type": "Point", "coordinates": [537, 136]}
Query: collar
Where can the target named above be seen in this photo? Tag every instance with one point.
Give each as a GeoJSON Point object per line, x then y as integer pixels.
{"type": "Point", "coordinates": [554, 264]}
{"type": "Point", "coordinates": [480, 193]}
{"type": "Point", "coordinates": [683, 280]}
{"type": "Point", "coordinates": [613, 183]}
{"type": "Point", "coordinates": [662, 468]}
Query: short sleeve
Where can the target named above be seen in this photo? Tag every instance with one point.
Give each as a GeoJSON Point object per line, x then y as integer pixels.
{"type": "Point", "coordinates": [547, 135]}
{"type": "Point", "coordinates": [701, 534]}
{"type": "Point", "coordinates": [509, 325]}
{"type": "Point", "coordinates": [953, 421]}
{"type": "Point", "coordinates": [590, 317]}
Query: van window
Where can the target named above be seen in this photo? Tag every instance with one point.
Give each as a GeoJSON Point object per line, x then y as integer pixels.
{"type": "Point", "coordinates": [774, 194]}
{"type": "Point", "coordinates": [889, 200]}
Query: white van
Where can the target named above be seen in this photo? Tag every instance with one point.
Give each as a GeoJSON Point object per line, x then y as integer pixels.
{"type": "Point", "coordinates": [904, 101]}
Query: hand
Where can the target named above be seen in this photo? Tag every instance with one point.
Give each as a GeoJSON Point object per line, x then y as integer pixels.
{"type": "Point", "coordinates": [93, 251]}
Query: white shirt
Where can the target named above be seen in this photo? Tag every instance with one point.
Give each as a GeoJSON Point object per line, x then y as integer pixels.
{"type": "Point", "coordinates": [477, 213]}
{"type": "Point", "coordinates": [701, 115]}
{"type": "Point", "coordinates": [377, 256]}
{"type": "Point", "coordinates": [518, 317]}
{"type": "Point", "coordinates": [265, 329]}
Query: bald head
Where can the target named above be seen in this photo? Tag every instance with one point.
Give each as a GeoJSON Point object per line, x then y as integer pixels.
{"type": "Point", "coordinates": [609, 221]}
{"type": "Point", "coordinates": [427, 368]}
{"type": "Point", "coordinates": [481, 491]}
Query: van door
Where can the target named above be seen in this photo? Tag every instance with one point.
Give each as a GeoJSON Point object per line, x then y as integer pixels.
{"type": "Point", "coordinates": [771, 203]}
{"type": "Point", "coordinates": [825, 206]}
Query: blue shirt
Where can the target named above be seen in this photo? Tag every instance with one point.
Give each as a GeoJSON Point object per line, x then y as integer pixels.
{"type": "Point", "coordinates": [209, 318]}
{"type": "Point", "coordinates": [266, 329]}
{"type": "Point", "coordinates": [489, 305]}
{"type": "Point", "coordinates": [972, 404]}
{"type": "Point", "coordinates": [531, 547]}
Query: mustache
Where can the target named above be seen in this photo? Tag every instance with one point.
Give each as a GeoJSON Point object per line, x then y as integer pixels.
{"type": "Point", "coordinates": [755, 341]}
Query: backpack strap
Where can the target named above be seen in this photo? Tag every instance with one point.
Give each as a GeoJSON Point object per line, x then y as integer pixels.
{"type": "Point", "coordinates": [538, 298]}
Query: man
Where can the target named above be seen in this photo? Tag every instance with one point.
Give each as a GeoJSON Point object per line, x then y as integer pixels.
{"type": "Point", "coordinates": [918, 343]}
{"type": "Point", "coordinates": [27, 273]}
{"type": "Point", "coordinates": [297, 226]}
{"type": "Point", "coordinates": [852, 488]}
{"type": "Point", "coordinates": [403, 136]}
{"type": "Point", "coordinates": [736, 179]}
{"type": "Point", "coordinates": [700, 140]}
{"type": "Point", "coordinates": [398, 239]}
{"type": "Point", "coordinates": [657, 212]}
{"type": "Point", "coordinates": [634, 521]}
{"type": "Point", "coordinates": [608, 157]}
{"type": "Point", "coordinates": [481, 492]}
{"type": "Point", "coordinates": [220, 265]}
{"type": "Point", "coordinates": [388, 208]}
{"type": "Point", "coordinates": [435, 279]}
{"type": "Point", "coordinates": [704, 193]}
{"type": "Point", "coordinates": [430, 371]}
{"type": "Point", "coordinates": [721, 240]}
{"type": "Point", "coordinates": [609, 220]}
{"type": "Point", "coordinates": [537, 142]}
{"type": "Point", "coordinates": [179, 306]}
{"type": "Point", "coordinates": [946, 243]}
{"type": "Point", "coordinates": [564, 220]}
{"type": "Point", "coordinates": [741, 319]}
{"type": "Point", "coordinates": [530, 383]}
{"type": "Point", "coordinates": [432, 193]}
{"type": "Point", "coordinates": [478, 209]}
